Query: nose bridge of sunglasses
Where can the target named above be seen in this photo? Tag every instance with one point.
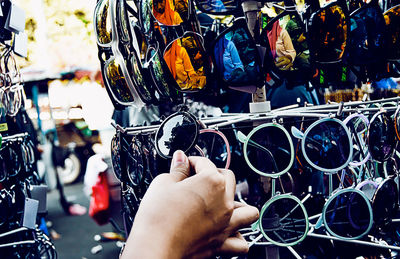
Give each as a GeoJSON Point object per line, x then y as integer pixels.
{"type": "Point", "coordinates": [297, 133]}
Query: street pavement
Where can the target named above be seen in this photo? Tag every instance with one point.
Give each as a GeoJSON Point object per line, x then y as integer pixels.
{"type": "Point", "coordinates": [77, 232]}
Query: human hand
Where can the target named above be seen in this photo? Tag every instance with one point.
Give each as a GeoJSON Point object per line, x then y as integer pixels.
{"type": "Point", "coordinates": [284, 63]}
{"type": "Point", "coordinates": [184, 216]}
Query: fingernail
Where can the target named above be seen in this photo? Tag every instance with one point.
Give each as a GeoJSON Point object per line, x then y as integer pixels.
{"type": "Point", "coordinates": [178, 158]}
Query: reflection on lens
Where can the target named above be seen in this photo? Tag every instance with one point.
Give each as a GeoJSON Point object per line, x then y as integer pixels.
{"type": "Point", "coordinates": [381, 138]}
{"type": "Point", "coordinates": [347, 215]}
{"type": "Point", "coordinates": [284, 221]}
{"type": "Point", "coordinates": [392, 19]}
{"type": "Point", "coordinates": [187, 62]}
{"type": "Point", "coordinates": [269, 150]}
{"type": "Point", "coordinates": [385, 202]}
{"type": "Point", "coordinates": [158, 73]}
{"type": "Point", "coordinates": [178, 132]}
{"type": "Point", "coordinates": [115, 156]}
{"type": "Point", "coordinates": [329, 34]}
{"type": "Point", "coordinates": [366, 35]}
{"type": "Point", "coordinates": [290, 52]}
{"type": "Point", "coordinates": [103, 22]}
{"type": "Point", "coordinates": [122, 21]}
{"type": "Point", "coordinates": [217, 6]}
{"type": "Point", "coordinates": [170, 15]}
{"type": "Point", "coordinates": [137, 76]}
{"type": "Point", "coordinates": [117, 82]}
{"type": "Point", "coordinates": [145, 15]}
{"type": "Point", "coordinates": [235, 58]}
{"type": "Point", "coordinates": [327, 140]}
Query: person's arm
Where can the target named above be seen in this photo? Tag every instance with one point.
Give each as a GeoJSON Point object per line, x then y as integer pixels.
{"type": "Point", "coordinates": [184, 216]}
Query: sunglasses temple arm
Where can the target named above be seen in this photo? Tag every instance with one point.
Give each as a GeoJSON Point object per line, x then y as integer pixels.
{"type": "Point", "coordinates": [26, 242]}
{"type": "Point", "coordinates": [294, 253]}
{"type": "Point", "coordinates": [254, 144]}
{"type": "Point", "coordinates": [13, 232]}
{"type": "Point", "coordinates": [255, 240]}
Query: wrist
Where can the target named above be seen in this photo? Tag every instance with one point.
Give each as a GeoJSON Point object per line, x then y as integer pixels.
{"type": "Point", "coordinates": [149, 243]}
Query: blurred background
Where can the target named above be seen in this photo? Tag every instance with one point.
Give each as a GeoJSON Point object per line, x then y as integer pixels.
{"type": "Point", "coordinates": [71, 112]}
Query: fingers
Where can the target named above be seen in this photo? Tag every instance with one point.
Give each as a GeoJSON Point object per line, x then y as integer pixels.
{"type": "Point", "coordinates": [202, 165]}
{"type": "Point", "coordinates": [180, 168]}
{"type": "Point", "coordinates": [242, 216]}
{"type": "Point", "coordinates": [230, 183]}
{"type": "Point", "coordinates": [234, 245]}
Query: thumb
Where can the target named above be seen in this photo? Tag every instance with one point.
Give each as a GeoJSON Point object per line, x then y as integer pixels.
{"type": "Point", "coordinates": [180, 168]}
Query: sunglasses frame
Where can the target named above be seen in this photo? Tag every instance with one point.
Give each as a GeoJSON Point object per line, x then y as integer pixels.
{"type": "Point", "coordinates": [357, 135]}
{"type": "Point", "coordinates": [247, 139]}
{"type": "Point", "coordinates": [303, 147]}
{"type": "Point", "coordinates": [392, 145]}
{"type": "Point", "coordinates": [111, 50]}
{"type": "Point", "coordinates": [258, 224]}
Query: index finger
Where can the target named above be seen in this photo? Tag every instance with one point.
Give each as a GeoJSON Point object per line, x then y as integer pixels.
{"type": "Point", "coordinates": [201, 164]}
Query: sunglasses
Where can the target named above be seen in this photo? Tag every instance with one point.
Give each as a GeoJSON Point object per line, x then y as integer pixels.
{"type": "Point", "coordinates": [236, 58]}
{"type": "Point", "coordinates": [323, 140]}
{"type": "Point", "coordinates": [119, 61]}
{"type": "Point", "coordinates": [366, 38]}
{"type": "Point", "coordinates": [381, 137]}
{"type": "Point", "coordinates": [184, 53]}
{"type": "Point", "coordinates": [181, 131]}
{"type": "Point", "coordinates": [268, 149]}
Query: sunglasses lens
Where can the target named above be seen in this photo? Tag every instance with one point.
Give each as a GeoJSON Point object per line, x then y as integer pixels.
{"type": "Point", "coordinates": [366, 35]}
{"type": "Point", "coordinates": [116, 156]}
{"type": "Point", "coordinates": [358, 129]}
{"type": "Point", "coordinates": [171, 12]}
{"type": "Point", "coordinates": [284, 221]}
{"type": "Point", "coordinates": [392, 18]}
{"type": "Point", "coordinates": [385, 202]}
{"type": "Point", "coordinates": [329, 34]}
{"type": "Point", "coordinates": [103, 22]}
{"type": "Point", "coordinates": [178, 132]}
{"type": "Point", "coordinates": [122, 21]}
{"type": "Point", "coordinates": [326, 140]}
{"type": "Point", "coordinates": [235, 58]}
{"type": "Point", "coordinates": [269, 151]}
{"type": "Point", "coordinates": [136, 73]}
{"type": "Point", "coordinates": [134, 163]}
{"type": "Point", "coordinates": [214, 148]}
{"type": "Point", "coordinates": [187, 62]}
{"type": "Point", "coordinates": [217, 6]}
{"type": "Point", "coordinates": [296, 55]}
{"type": "Point", "coordinates": [381, 139]}
{"type": "Point", "coordinates": [145, 14]}
{"type": "Point", "coordinates": [347, 215]}
{"type": "Point", "coordinates": [117, 82]}
{"type": "Point", "coordinates": [157, 71]}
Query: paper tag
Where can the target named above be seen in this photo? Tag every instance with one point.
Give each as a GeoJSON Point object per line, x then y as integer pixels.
{"type": "Point", "coordinates": [16, 19]}
{"type": "Point", "coordinates": [30, 212]}
{"type": "Point", "coordinates": [20, 44]}
{"type": "Point", "coordinates": [39, 193]}
{"type": "Point", "coordinates": [3, 127]}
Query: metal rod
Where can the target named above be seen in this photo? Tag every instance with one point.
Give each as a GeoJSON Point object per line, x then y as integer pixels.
{"type": "Point", "coordinates": [360, 242]}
